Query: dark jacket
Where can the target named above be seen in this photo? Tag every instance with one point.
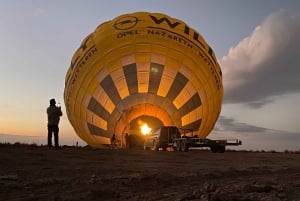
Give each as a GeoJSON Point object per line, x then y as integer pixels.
{"type": "Point", "coordinates": [54, 114]}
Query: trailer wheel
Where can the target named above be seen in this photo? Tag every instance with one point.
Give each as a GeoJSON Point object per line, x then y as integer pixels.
{"type": "Point", "coordinates": [221, 149]}
{"type": "Point", "coordinates": [217, 149]}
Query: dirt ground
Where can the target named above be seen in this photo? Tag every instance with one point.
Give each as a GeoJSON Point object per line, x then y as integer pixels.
{"type": "Point", "coordinates": [37, 173]}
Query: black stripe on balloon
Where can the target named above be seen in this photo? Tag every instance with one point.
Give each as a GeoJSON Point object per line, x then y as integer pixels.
{"type": "Point", "coordinates": [193, 125]}
{"type": "Point", "coordinates": [95, 130]}
{"type": "Point", "coordinates": [109, 87]}
{"type": "Point", "coordinates": [177, 85]}
{"type": "Point", "coordinates": [156, 71]}
{"type": "Point", "coordinates": [190, 105]}
{"type": "Point", "coordinates": [130, 72]}
{"type": "Point", "coordinates": [95, 107]}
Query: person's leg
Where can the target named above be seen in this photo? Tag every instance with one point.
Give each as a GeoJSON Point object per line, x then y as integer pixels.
{"type": "Point", "coordinates": [56, 130]}
{"type": "Point", "coordinates": [50, 136]}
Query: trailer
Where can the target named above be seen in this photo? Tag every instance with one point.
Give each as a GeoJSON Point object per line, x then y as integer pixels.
{"type": "Point", "coordinates": [170, 137]}
{"type": "Point", "coordinates": [216, 146]}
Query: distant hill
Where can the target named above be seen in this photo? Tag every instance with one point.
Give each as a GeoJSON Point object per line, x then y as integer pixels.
{"type": "Point", "coordinates": [39, 140]}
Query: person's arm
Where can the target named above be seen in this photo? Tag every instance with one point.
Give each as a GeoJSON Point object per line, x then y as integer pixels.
{"type": "Point", "coordinates": [59, 112]}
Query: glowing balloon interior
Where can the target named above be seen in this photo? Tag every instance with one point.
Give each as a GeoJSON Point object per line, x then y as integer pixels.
{"type": "Point", "coordinates": [142, 64]}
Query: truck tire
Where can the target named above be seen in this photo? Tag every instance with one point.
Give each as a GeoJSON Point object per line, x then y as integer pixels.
{"type": "Point", "coordinates": [184, 146]}
{"type": "Point", "coordinates": [213, 149]}
{"type": "Point", "coordinates": [174, 147]}
{"type": "Point", "coordinates": [178, 145]}
{"type": "Point", "coordinates": [155, 147]}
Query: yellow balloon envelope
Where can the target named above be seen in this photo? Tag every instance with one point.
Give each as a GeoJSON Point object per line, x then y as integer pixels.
{"type": "Point", "coordinates": [142, 64]}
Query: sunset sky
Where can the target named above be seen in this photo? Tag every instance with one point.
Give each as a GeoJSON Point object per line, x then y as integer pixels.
{"type": "Point", "coordinates": [256, 42]}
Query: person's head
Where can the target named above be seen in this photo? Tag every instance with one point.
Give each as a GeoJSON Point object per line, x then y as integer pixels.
{"type": "Point", "coordinates": [52, 102]}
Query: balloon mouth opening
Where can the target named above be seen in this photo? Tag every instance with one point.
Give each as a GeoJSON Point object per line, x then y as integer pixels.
{"type": "Point", "coordinates": [134, 118]}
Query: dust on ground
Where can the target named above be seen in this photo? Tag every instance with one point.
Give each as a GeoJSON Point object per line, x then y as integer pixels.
{"type": "Point", "coordinates": [37, 173]}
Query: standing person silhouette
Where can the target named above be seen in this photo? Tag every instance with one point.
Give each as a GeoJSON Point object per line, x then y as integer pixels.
{"type": "Point", "coordinates": [113, 142]}
{"type": "Point", "coordinates": [54, 113]}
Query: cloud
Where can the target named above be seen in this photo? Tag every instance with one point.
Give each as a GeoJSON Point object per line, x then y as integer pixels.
{"type": "Point", "coordinates": [265, 64]}
{"type": "Point", "coordinates": [255, 138]}
{"type": "Point", "coordinates": [229, 124]}
{"type": "Point", "coordinates": [36, 12]}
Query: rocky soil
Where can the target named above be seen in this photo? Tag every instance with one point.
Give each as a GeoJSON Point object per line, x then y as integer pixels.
{"type": "Point", "coordinates": [37, 173]}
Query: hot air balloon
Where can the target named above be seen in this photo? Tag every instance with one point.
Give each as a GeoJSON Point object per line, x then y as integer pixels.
{"type": "Point", "coordinates": [142, 64]}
